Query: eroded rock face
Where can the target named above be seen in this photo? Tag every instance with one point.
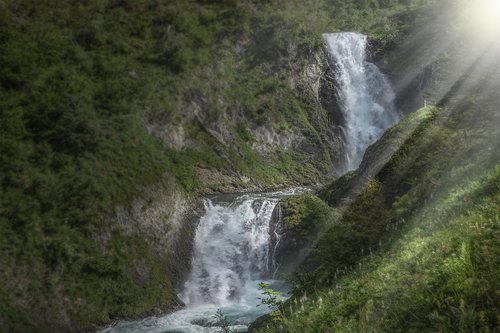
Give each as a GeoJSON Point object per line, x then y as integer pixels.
{"type": "Point", "coordinates": [413, 71]}
{"type": "Point", "coordinates": [336, 120]}
{"type": "Point", "coordinates": [157, 215]}
{"type": "Point", "coordinates": [173, 135]}
{"type": "Point", "coordinates": [268, 139]}
{"type": "Point", "coordinates": [315, 136]}
{"type": "Point", "coordinates": [275, 240]}
{"type": "Point", "coordinates": [317, 81]}
{"type": "Point", "coordinates": [167, 220]}
{"type": "Point", "coordinates": [283, 247]}
{"type": "Point", "coordinates": [413, 91]}
{"type": "Point", "coordinates": [286, 251]}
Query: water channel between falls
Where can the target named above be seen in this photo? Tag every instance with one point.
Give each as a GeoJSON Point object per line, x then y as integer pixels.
{"type": "Point", "coordinates": [233, 246]}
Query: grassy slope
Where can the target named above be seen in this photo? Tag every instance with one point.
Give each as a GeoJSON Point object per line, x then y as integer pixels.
{"type": "Point", "coordinates": [437, 272]}
{"type": "Point", "coordinates": [77, 80]}
{"type": "Point", "coordinates": [416, 250]}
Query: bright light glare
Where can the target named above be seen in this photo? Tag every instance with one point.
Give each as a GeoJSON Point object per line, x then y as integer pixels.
{"type": "Point", "coordinates": [483, 17]}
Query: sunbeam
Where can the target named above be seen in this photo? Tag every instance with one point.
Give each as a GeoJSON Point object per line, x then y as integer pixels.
{"type": "Point", "coordinates": [482, 18]}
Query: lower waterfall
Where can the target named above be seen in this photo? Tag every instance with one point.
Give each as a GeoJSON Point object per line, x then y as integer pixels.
{"type": "Point", "coordinates": [233, 253]}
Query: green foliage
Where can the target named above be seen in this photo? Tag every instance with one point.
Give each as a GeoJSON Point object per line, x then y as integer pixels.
{"type": "Point", "coordinates": [438, 273]}
{"type": "Point", "coordinates": [303, 214]}
{"type": "Point", "coordinates": [272, 298]}
{"type": "Point", "coordinates": [223, 323]}
{"type": "Point", "coordinates": [356, 233]}
{"type": "Point", "coordinates": [274, 301]}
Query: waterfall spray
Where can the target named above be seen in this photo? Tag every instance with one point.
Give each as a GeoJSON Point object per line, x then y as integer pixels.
{"type": "Point", "coordinates": [231, 251]}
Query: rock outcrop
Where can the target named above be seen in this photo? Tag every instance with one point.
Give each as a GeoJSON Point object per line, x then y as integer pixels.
{"type": "Point", "coordinates": [166, 218]}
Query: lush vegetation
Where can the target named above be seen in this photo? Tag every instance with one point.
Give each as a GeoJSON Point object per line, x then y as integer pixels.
{"type": "Point", "coordinates": [88, 90]}
{"type": "Point", "coordinates": [303, 215]}
{"type": "Point", "coordinates": [437, 273]}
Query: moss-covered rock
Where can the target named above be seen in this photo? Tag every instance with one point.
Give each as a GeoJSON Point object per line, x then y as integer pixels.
{"type": "Point", "coordinates": [302, 214]}
{"type": "Point", "coordinates": [297, 221]}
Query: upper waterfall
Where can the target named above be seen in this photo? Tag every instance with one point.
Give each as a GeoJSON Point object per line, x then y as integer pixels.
{"type": "Point", "coordinates": [365, 95]}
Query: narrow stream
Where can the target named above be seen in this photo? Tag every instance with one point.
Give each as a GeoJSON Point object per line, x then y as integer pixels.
{"type": "Point", "coordinates": [232, 255]}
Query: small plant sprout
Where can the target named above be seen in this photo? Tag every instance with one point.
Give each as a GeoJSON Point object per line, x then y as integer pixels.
{"type": "Point", "coordinates": [274, 300]}
{"type": "Point", "coordinates": [222, 322]}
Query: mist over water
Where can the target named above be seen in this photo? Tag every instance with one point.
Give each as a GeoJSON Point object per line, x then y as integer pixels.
{"type": "Point", "coordinates": [364, 94]}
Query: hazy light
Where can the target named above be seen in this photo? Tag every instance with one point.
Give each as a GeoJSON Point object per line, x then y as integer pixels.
{"type": "Point", "coordinates": [482, 18]}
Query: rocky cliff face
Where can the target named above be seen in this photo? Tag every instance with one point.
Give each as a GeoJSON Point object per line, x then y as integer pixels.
{"type": "Point", "coordinates": [306, 132]}
{"type": "Point", "coordinates": [166, 219]}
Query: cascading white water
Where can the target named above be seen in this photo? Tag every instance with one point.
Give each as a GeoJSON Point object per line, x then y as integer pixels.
{"type": "Point", "coordinates": [231, 251]}
{"type": "Point", "coordinates": [232, 255]}
{"type": "Point", "coordinates": [364, 94]}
